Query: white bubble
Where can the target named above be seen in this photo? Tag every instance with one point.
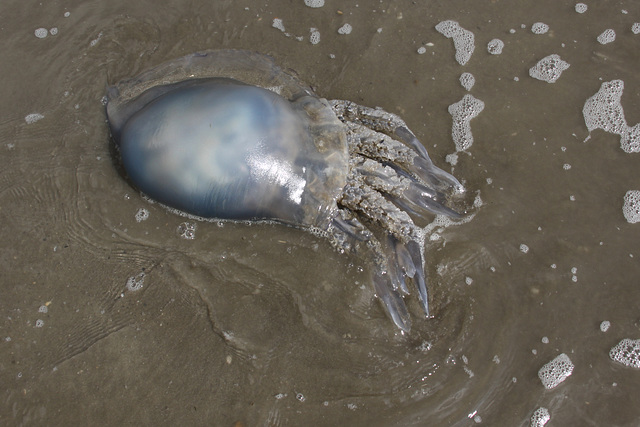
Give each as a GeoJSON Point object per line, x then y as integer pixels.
{"type": "Point", "coordinates": [635, 28]}
{"type": "Point", "coordinates": [630, 139]}
{"type": "Point", "coordinates": [314, 3]}
{"type": "Point", "coordinates": [142, 215]}
{"type": "Point", "coordinates": [43, 309]}
{"type": "Point", "coordinates": [566, 166]}
{"type": "Point", "coordinates": [463, 40]}
{"type": "Point", "coordinates": [495, 46]}
{"type": "Point", "coordinates": [524, 248]}
{"type": "Point", "coordinates": [67, 14]}
{"type": "Point", "coordinates": [41, 33]}
{"type": "Point", "coordinates": [539, 28]}
{"type": "Point", "coordinates": [549, 68]}
{"type": "Point", "coordinates": [422, 50]}
{"type": "Point", "coordinates": [53, 31]}
{"type": "Point", "coordinates": [314, 37]}
{"type": "Point", "coordinates": [581, 7]}
{"type": "Point", "coordinates": [345, 29]}
{"type": "Point", "coordinates": [540, 417]}
{"type": "Point", "coordinates": [605, 325]}
{"type": "Point", "coordinates": [604, 111]}
{"type": "Point", "coordinates": [300, 397]}
{"type": "Point", "coordinates": [467, 80]}
{"type": "Point", "coordinates": [32, 118]}
{"type": "Point", "coordinates": [631, 206]}
{"type": "Point", "coordinates": [607, 36]}
{"type": "Point", "coordinates": [452, 159]}
{"type": "Point", "coordinates": [627, 352]}
{"type": "Point", "coordinates": [462, 113]}
{"type": "Point", "coordinates": [135, 283]}
{"type": "Point", "coordinates": [96, 40]}
{"type": "Point", "coordinates": [545, 340]}
{"type": "Point", "coordinates": [277, 23]}
{"type": "Point", "coordinates": [39, 323]}
{"type": "Point", "coordinates": [187, 230]}
{"type": "Point", "coordinates": [468, 280]}
{"type": "Point", "coordinates": [556, 371]}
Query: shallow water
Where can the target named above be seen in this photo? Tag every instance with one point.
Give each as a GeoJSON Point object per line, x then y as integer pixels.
{"type": "Point", "coordinates": [267, 325]}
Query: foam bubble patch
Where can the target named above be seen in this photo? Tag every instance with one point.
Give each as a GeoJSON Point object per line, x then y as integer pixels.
{"type": "Point", "coordinates": [604, 111]}
{"type": "Point", "coordinates": [467, 80]}
{"type": "Point", "coordinates": [607, 36]}
{"type": "Point", "coordinates": [495, 46]}
{"type": "Point", "coordinates": [627, 352]}
{"type": "Point", "coordinates": [540, 417]}
{"type": "Point", "coordinates": [463, 40]}
{"type": "Point", "coordinates": [314, 3]}
{"type": "Point", "coordinates": [539, 28]}
{"type": "Point", "coordinates": [549, 68]}
{"type": "Point", "coordinates": [462, 112]}
{"type": "Point", "coordinates": [631, 206]}
{"type": "Point", "coordinates": [556, 371]}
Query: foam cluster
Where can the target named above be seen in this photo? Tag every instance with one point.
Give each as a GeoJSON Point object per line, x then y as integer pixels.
{"type": "Point", "coordinates": [462, 112]}
{"type": "Point", "coordinates": [495, 46]}
{"type": "Point", "coordinates": [135, 283]}
{"type": "Point", "coordinates": [467, 80]}
{"type": "Point", "coordinates": [463, 40]}
{"type": "Point", "coordinates": [540, 417]}
{"type": "Point", "coordinates": [345, 29]}
{"type": "Point", "coordinates": [314, 3]}
{"type": "Point", "coordinates": [277, 23]}
{"type": "Point", "coordinates": [314, 36]}
{"type": "Point", "coordinates": [631, 206]}
{"type": "Point", "coordinates": [549, 68]}
{"type": "Point", "coordinates": [142, 215]}
{"type": "Point", "coordinates": [556, 371]}
{"type": "Point", "coordinates": [32, 118]}
{"type": "Point", "coordinates": [627, 352]}
{"type": "Point", "coordinates": [604, 111]}
{"type": "Point", "coordinates": [607, 36]}
{"type": "Point", "coordinates": [41, 33]}
{"type": "Point", "coordinates": [539, 28]}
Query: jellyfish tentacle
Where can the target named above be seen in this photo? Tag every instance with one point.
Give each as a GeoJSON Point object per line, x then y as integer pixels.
{"type": "Point", "coordinates": [420, 278]}
{"type": "Point", "coordinates": [402, 190]}
{"type": "Point", "coordinates": [390, 125]}
{"type": "Point", "coordinates": [347, 233]}
{"type": "Point", "coordinates": [392, 300]}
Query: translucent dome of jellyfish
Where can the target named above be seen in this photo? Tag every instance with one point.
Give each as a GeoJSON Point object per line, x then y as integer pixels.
{"type": "Point", "coordinates": [227, 134]}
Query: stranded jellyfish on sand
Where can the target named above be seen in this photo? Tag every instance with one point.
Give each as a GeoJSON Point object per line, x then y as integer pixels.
{"type": "Point", "coordinates": [228, 134]}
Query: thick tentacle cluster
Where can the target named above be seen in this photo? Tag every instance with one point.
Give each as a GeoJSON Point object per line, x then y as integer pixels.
{"type": "Point", "coordinates": [390, 176]}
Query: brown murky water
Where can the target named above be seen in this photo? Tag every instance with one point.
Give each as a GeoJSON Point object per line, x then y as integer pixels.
{"type": "Point", "coordinates": [267, 325]}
